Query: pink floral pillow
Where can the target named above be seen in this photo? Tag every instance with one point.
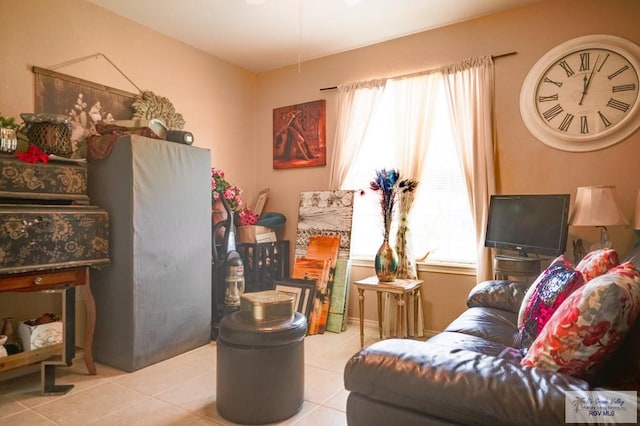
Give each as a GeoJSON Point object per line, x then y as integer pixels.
{"type": "Point", "coordinates": [597, 263]}
{"type": "Point", "coordinates": [589, 325]}
{"type": "Point", "coordinates": [548, 291]}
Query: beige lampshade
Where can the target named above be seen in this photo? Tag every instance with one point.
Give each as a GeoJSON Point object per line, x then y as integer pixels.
{"type": "Point", "coordinates": [597, 206]}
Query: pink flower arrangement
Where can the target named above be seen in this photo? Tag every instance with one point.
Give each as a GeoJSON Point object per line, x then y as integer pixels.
{"type": "Point", "coordinates": [220, 187]}
{"type": "Point", "coordinates": [248, 217]}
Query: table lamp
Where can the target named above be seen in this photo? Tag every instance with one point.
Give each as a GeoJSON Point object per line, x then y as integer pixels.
{"type": "Point", "coordinates": [597, 206]}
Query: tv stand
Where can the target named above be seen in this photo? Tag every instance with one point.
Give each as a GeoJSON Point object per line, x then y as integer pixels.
{"type": "Point", "coordinates": [505, 267]}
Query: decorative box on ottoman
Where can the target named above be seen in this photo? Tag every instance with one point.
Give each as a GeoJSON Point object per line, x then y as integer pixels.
{"type": "Point", "coordinates": [267, 305]}
{"type": "Point", "coordinates": [260, 360]}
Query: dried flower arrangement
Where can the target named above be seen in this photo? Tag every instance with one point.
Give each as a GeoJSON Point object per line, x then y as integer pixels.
{"type": "Point", "coordinates": [386, 181]}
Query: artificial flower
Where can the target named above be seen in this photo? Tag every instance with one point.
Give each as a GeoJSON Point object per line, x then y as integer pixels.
{"type": "Point", "coordinates": [248, 217]}
{"type": "Point", "coordinates": [33, 154]}
{"type": "Point", "coordinates": [220, 187]}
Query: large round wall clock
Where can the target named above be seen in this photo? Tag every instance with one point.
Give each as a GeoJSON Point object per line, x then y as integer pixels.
{"type": "Point", "coordinates": [582, 95]}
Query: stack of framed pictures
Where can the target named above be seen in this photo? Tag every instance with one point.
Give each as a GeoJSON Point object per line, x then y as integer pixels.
{"type": "Point", "coordinates": [303, 291]}
{"type": "Point", "coordinates": [324, 221]}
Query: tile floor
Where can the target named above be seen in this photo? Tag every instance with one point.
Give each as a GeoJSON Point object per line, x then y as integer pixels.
{"type": "Point", "coordinates": [178, 391]}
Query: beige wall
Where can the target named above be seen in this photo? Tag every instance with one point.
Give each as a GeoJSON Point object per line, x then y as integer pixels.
{"type": "Point", "coordinates": [217, 99]}
{"type": "Point", "coordinates": [525, 165]}
{"type": "Point", "coordinates": [229, 110]}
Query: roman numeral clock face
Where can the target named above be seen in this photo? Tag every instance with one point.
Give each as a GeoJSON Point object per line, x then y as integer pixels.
{"type": "Point", "coordinates": [583, 94]}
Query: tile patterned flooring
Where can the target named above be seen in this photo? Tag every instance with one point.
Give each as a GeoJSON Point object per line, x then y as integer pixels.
{"type": "Point", "coordinates": [178, 391]}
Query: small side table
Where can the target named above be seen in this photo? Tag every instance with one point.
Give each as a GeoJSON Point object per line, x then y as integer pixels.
{"type": "Point", "coordinates": [399, 288]}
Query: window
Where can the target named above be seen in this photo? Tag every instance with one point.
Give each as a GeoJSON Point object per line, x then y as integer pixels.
{"type": "Point", "coordinates": [440, 220]}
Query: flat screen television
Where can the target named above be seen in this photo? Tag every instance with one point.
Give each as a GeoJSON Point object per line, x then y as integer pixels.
{"type": "Point", "coordinates": [534, 223]}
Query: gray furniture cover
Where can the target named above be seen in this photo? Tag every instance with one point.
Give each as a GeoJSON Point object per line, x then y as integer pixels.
{"type": "Point", "coordinates": [154, 300]}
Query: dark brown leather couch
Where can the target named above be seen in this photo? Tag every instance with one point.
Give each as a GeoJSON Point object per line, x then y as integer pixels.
{"type": "Point", "coordinates": [465, 376]}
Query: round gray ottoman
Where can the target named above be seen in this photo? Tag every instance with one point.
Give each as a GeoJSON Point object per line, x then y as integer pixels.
{"type": "Point", "coordinates": [260, 368]}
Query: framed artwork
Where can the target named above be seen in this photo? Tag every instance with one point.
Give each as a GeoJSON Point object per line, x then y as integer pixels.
{"type": "Point", "coordinates": [261, 201]}
{"type": "Point", "coordinates": [318, 270]}
{"type": "Point", "coordinates": [302, 290]}
{"type": "Point", "coordinates": [337, 319]}
{"type": "Point", "coordinates": [324, 249]}
{"type": "Point", "coordinates": [85, 102]}
{"type": "Point", "coordinates": [325, 213]}
{"type": "Point", "coordinates": [299, 135]}
{"type": "Point", "coordinates": [289, 290]}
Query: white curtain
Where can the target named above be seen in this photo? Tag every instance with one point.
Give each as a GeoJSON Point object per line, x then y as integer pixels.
{"type": "Point", "coordinates": [470, 89]}
{"type": "Point", "coordinates": [356, 104]}
{"type": "Point", "coordinates": [469, 86]}
{"type": "Point", "coordinates": [414, 98]}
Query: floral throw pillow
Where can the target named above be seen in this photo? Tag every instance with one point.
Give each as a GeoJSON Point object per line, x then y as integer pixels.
{"type": "Point", "coordinates": [597, 262]}
{"type": "Point", "coordinates": [548, 291]}
{"type": "Point", "coordinates": [589, 325]}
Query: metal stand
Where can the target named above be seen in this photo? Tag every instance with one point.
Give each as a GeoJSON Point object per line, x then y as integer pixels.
{"type": "Point", "coordinates": [515, 266]}
{"type": "Point", "coordinates": [48, 368]}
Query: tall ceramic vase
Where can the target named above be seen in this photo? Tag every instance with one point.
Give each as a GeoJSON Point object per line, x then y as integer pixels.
{"type": "Point", "coordinates": [404, 247]}
{"type": "Point", "coordinates": [386, 262]}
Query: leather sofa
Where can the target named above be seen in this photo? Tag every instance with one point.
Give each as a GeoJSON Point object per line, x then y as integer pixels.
{"type": "Point", "coordinates": [469, 374]}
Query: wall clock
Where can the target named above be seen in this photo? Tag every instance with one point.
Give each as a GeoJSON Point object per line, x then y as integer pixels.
{"type": "Point", "coordinates": [582, 95]}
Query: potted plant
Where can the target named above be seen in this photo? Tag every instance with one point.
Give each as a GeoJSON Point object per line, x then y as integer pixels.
{"type": "Point", "coordinates": [8, 137]}
{"type": "Point", "coordinates": [8, 123]}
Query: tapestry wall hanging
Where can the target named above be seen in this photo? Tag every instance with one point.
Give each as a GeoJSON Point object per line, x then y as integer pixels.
{"type": "Point", "coordinates": [85, 102]}
{"type": "Point", "coordinates": [299, 135]}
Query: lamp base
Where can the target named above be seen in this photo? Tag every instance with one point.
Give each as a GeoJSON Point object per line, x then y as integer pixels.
{"type": "Point", "coordinates": [604, 240]}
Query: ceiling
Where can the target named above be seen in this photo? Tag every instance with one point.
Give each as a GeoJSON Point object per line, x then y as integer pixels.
{"type": "Point", "coordinates": [261, 35]}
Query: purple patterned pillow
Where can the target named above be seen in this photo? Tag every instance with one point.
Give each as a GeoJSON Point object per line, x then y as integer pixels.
{"type": "Point", "coordinates": [551, 288]}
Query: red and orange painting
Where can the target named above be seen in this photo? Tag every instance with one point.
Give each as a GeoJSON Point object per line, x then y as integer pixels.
{"type": "Point", "coordinates": [299, 135]}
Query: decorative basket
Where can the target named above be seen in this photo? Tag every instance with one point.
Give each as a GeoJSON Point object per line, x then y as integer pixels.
{"type": "Point", "coordinates": [49, 132]}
